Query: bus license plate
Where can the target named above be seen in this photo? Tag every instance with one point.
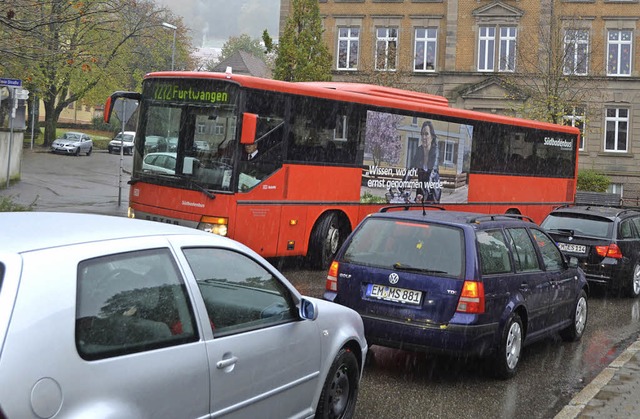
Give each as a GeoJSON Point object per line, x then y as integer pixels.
{"type": "Point", "coordinates": [573, 248]}
{"type": "Point", "coordinates": [397, 295]}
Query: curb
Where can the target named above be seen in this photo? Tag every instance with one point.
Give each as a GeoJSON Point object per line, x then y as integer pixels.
{"type": "Point", "coordinates": [580, 401]}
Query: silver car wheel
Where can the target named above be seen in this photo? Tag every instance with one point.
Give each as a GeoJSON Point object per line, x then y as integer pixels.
{"type": "Point", "coordinates": [635, 285]}
{"type": "Point", "coordinates": [513, 345]}
{"type": "Point", "coordinates": [581, 315]}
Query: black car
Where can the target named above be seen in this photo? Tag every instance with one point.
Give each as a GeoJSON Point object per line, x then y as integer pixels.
{"type": "Point", "coordinates": [606, 241]}
{"type": "Point", "coordinates": [458, 283]}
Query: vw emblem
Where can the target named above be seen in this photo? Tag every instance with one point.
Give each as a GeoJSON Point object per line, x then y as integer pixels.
{"type": "Point", "coordinates": [393, 278]}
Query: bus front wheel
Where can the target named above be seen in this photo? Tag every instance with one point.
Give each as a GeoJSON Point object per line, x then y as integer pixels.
{"type": "Point", "coordinates": [326, 238]}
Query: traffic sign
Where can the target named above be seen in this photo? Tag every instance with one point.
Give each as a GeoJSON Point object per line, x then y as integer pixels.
{"type": "Point", "coordinates": [10, 82]}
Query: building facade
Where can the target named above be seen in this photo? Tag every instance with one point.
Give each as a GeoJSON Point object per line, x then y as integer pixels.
{"type": "Point", "coordinates": [574, 61]}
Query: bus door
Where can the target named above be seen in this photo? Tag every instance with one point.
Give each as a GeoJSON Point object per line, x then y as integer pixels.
{"type": "Point", "coordinates": [261, 187]}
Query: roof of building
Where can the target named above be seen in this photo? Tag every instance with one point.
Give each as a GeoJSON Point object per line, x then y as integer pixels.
{"type": "Point", "coordinates": [243, 62]}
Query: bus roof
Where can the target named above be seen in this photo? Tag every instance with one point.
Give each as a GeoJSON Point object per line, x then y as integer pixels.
{"type": "Point", "coordinates": [365, 94]}
{"type": "Point", "coordinates": [382, 91]}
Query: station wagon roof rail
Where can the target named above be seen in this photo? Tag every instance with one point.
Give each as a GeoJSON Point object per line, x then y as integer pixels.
{"type": "Point", "coordinates": [494, 217]}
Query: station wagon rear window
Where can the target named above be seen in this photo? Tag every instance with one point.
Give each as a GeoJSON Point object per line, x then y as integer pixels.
{"type": "Point", "coordinates": [432, 249]}
{"type": "Point", "coordinates": [582, 225]}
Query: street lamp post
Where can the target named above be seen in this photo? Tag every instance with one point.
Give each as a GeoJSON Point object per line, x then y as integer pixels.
{"type": "Point", "coordinates": [173, 49]}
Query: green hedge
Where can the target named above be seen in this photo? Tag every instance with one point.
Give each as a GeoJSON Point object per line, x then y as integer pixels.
{"type": "Point", "coordinates": [592, 181]}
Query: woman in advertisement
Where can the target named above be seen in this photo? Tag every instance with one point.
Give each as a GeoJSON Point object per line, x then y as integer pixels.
{"type": "Point", "coordinates": [425, 160]}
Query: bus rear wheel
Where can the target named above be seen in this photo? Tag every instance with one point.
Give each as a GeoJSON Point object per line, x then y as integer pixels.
{"type": "Point", "coordinates": [326, 239]}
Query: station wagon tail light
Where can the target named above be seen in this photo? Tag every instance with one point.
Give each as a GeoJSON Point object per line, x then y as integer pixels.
{"type": "Point", "coordinates": [610, 251]}
{"type": "Point", "coordinates": [332, 277]}
{"type": "Point", "coordinates": [472, 298]}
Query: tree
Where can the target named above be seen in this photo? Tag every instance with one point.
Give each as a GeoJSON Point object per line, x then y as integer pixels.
{"type": "Point", "coordinates": [66, 51]}
{"type": "Point", "coordinates": [549, 71]}
{"type": "Point", "coordinates": [242, 43]}
{"type": "Point", "coordinates": [301, 53]}
{"type": "Point", "coordinates": [383, 141]}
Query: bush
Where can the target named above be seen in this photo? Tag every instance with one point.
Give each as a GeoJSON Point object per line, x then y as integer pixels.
{"type": "Point", "coordinates": [8, 205]}
{"type": "Point", "coordinates": [368, 198]}
{"type": "Point", "coordinates": [98, 124]}
{"type": "Point", "coordinates": [592, 181]}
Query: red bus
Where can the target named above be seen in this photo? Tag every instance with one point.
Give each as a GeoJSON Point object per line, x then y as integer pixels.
{"type": "Point", "coordinates": [328, 154]}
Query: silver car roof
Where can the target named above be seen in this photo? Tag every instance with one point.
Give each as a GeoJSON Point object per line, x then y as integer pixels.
{"type": "Point", "coordinates": [27, 231]}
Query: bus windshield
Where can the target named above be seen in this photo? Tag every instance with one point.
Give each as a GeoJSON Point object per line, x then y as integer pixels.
{"type": "Point", "coordinates": [188, 131]}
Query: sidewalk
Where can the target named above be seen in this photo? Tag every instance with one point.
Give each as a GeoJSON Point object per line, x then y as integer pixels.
{"type": "Point", "coordinates": [614, 393]}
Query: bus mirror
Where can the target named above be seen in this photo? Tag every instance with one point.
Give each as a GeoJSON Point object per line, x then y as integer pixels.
{"type": "Point", "coordinates": [116, 102]}
{"type": "Point", "coordinates": [249, 124]}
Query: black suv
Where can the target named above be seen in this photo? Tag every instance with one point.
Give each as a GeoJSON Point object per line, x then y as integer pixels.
{"type": "Point", "coordinates": [459, 283]}
{"type": "Point", "coordinates": [605, 240]}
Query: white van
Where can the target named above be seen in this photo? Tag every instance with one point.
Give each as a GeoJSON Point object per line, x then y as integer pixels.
{"type": "Point", "coordinates": [125, 141]}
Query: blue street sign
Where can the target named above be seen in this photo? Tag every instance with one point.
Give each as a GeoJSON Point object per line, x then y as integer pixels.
{"type": "Point", "coordinates": [10, 82]}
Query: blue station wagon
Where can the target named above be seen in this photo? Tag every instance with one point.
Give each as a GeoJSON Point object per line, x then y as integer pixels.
{"type": "Point", "coordinates": [458, 283]}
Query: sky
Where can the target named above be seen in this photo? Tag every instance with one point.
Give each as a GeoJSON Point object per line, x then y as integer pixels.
{"type": "Point", "coordinates": [212, 22]}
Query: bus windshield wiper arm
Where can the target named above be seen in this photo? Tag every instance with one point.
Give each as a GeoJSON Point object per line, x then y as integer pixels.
{"type": "Point", "coordinates": [410, 268]}
{"type": "Point", "coordinates": [199, 187]}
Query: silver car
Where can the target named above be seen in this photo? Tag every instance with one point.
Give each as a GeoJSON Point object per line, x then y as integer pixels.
{"type": "Point", "coordinates": [159, 163]}
{"type": "Point", "coordinates": [129, 318]}
{"type": "Point", "coordinates": [73, 143]}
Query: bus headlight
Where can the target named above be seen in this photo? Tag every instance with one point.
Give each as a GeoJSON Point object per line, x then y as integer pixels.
{"type": "Point", "coordinates": [215, 225]}
{"type": "Point", "coordinates": [131, 213]}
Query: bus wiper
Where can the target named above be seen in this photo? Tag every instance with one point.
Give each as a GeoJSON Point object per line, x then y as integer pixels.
{"type": "Point", "coordinates": [199, 187]}
{"type": "Point", "coordinates": [409, 268]}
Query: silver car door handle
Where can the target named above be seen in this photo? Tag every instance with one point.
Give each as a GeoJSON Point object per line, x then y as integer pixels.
{"type": "Point", "coordinates": [226, 362]}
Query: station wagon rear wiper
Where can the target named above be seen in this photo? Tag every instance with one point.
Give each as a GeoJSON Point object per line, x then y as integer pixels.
{"type": "Point", "coordinates": [409, 268]}
{"type": "Point", "coordinates": [564, 231]}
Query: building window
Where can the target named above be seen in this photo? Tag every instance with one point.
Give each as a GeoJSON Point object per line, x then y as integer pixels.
{"type": "Point", "coordinates": [219, 129]}
{"type": "Point", "coordinates": [386, 48]}
{"type": "Point", "coordinates": [575, 117]}
{"type": "Point", "coordinates": [449, 147]}
{"type": "Point", "coordinates": [615, 188]}
{"type": "Point", "coordinates": [487, 45]}
{"type": "Point", "coordinates": [617, 125]}
{"type": "Point", "coordinates": [412, 148]}
{"type": "Point", "coordinates": [576, 51]}
{"type": "Point", "coordinates": [201, 128]}
{"type": "Point", "coordinates": [486, 48]}
{"type": "Point", "coordinates": [619, 53]}
{"type": "Point", "coordinates": [348, 44]}
{"type": "Point", "coordinates": [425, 49]}
{"type": "Point", "coordinates": [507, 49]}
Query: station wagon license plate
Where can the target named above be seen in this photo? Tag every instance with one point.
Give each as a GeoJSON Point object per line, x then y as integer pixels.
{"type": "Point", "coordinates": [397, 295]}
{"type": "Point", "coordinates": [573, 248]}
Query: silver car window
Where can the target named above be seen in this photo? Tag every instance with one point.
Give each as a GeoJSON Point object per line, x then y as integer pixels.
{"type": "Point", "coordinates": [131, 302]}
{"type": "Point", "coordinates": [239, 293]}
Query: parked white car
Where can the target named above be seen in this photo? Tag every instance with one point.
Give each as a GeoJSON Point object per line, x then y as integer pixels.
{"type": "Point", "coordinates": [125, 140]}
{"type": "Point", "coordinates": [73, 143]}
{"type": "Point", "coordinates": [126, 318]}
